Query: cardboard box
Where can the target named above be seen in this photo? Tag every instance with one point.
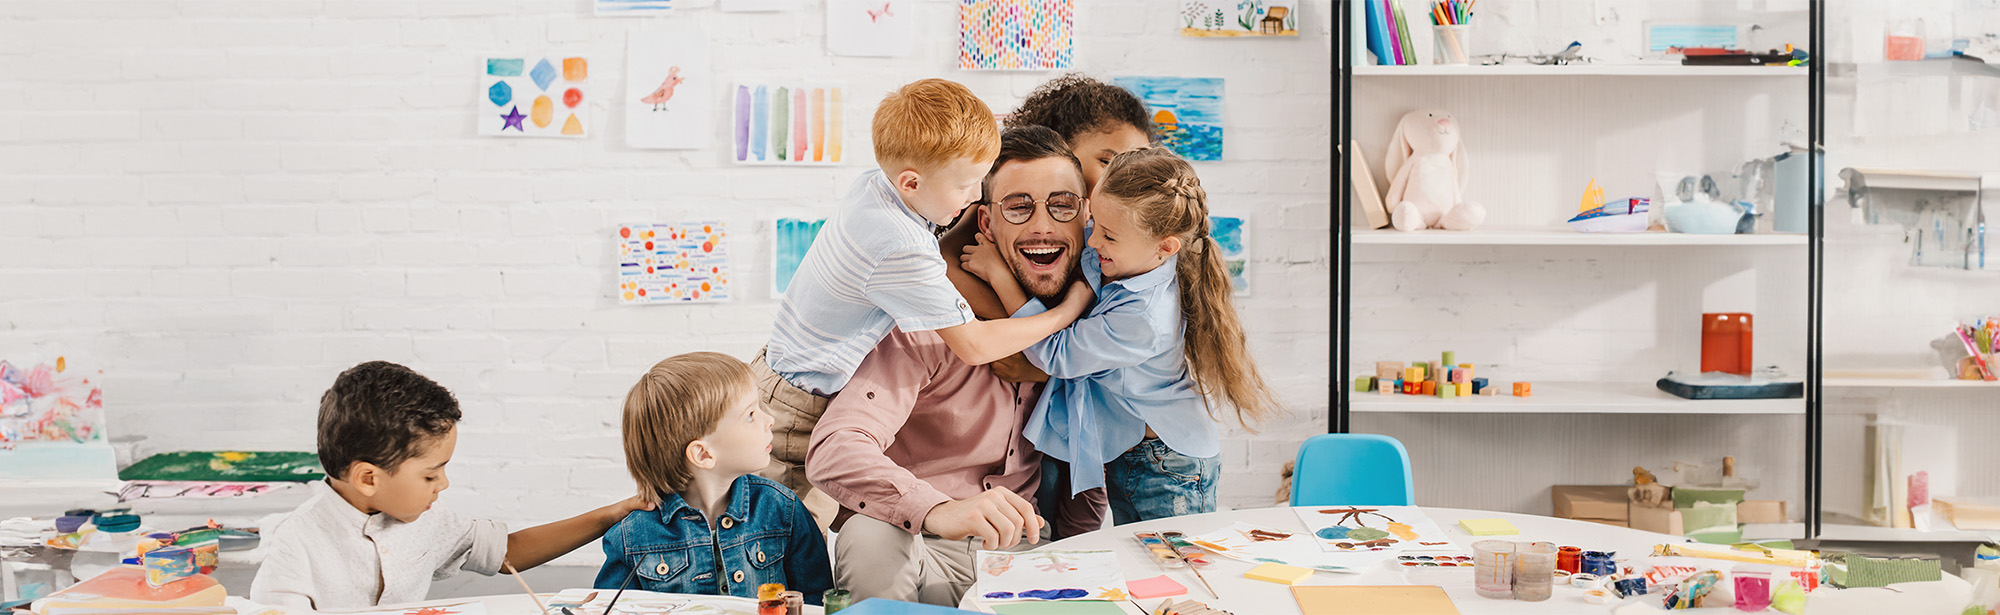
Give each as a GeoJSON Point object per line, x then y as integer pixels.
{"type": "Point", "coordinates": [1660, 520]}
{"type": "Point", "coordinates": [1589, 502]}
{"type": "Point", "coordinates": [1760, 511]}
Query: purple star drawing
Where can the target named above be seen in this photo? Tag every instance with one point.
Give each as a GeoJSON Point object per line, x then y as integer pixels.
{"type": "Point", "coordinates": [513, 118]}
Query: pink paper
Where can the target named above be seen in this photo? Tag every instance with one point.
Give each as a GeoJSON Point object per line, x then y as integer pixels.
{"type": "Point", "coordinates": [1920, 489]}
{"type": "Point", "coordinates": [1156, 587]}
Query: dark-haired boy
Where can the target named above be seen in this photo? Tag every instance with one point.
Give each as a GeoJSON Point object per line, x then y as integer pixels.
{"type": "Point", "coordinates": [369, 535]}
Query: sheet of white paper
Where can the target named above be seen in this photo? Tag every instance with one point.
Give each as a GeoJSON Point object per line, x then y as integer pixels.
{"type": "Point", "coordinates": [868, 28]}
{"type": "Point", "coordinates": [1050, 575]}
{"type": "Point", "coordinates": [1393, 529]}
{"type": "Point", "coordinates": [668, 89]}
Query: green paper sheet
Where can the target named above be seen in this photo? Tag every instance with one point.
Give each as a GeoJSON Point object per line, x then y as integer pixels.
{"type": "Point", "coordinates": [228, 466]}
{"type": "Point", "coordinates": [1064, 607]}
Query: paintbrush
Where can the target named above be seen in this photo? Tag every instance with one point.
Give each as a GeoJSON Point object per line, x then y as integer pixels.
{"type": "Point", "coordinates": [621, 589]}
{"type": "Point", "coordinates": [524, 587]}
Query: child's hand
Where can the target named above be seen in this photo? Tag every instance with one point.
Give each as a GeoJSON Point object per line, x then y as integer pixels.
{"type": "Point", "coordinates": [1079, 297]}
{"type": "Point", "coordinates": [629, 505]}
{"type": "Point", "coordinates": [982, 259]}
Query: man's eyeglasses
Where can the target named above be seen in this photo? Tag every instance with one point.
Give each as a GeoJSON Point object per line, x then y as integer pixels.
{"type": "Point", "coordinates": [1062, 206]}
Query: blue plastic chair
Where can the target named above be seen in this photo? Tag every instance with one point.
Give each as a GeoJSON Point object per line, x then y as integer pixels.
{"type": "Point", "coordinates": [1340, 469]}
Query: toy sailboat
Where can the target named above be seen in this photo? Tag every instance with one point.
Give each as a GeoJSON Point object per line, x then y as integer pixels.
{"type": "Point", "coordinates": [1622, 216]}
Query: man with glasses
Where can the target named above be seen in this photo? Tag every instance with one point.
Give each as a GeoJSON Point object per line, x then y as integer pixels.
{"type": "Point", "coordinates": [923, 452]}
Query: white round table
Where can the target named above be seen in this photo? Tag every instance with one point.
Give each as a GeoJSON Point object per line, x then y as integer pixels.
{"type": "Point", "coordinates": [1247, 597]}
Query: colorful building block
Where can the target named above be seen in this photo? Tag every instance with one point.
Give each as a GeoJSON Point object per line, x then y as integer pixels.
{"type": "Point", "coordinates": [1479, 386]}
{"type": "Point", "coordinates": [1430, 388]}
{"type": "Point", "coordinates": [1464, 389]}
{"type": "Point", "coordinates": [1447, 390]}
{"type": "Point", "coordinates": [1490, 391]}
{"type": "Point", "coordinates": [1435, 372]}
{"type": "Point", "coordinates": [1385, 387]}
{"type": "Point", "coordinates": [1388, 370]}
{"type": "Point", "coordinates": [1523, 389]}
{"type": "Point", "coordinates": [1279, 573]}
{"type": "Point", "coordinates": [1412, 387]}
{"type": "Point", "coordinates": [1413, 374]}
{"type": "Point", "coordinates": [1364, 384]}
{"type": "Point", "coordinates": [1450, 358]}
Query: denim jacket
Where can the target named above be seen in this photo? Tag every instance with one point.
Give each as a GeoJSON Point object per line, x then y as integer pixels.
{"type": "Point", "coordinates": [765, 536]}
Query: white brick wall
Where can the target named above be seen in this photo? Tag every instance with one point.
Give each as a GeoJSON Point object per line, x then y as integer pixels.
{"type": "Point", "coordinates": [224, 203]}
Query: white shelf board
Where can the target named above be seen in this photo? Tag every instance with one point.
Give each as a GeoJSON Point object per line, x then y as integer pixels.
{"type": "Point", "coordinates": [1563, 236]}
{"type": "Point", "coordinates": [1907, 383]}
{"type": "Point", "coordinates": [1577, 70]}
{"type": "Point", "coordinates": [1868, 533]}
{"type": "Point", "coordinates": [1774, 531]}
{"type": "Point", "coordinates": [1573, 398]}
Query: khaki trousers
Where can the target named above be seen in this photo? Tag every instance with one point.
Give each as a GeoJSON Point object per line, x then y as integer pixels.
{"type": "Point", "coordinates": [794, 412]}
{"type": "Point", "coordinates": [873, 559]}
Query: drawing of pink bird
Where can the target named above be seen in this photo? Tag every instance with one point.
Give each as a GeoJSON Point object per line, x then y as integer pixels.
{"type": "Point", "coordinates": [658, 99]}
{"type": "Point", "coordinates": [876, 16]}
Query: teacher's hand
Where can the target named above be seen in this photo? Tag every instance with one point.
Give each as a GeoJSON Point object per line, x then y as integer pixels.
{"type": "Point", "coordinates": [997, 516]}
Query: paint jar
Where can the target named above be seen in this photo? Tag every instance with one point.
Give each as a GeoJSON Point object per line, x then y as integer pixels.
{"type": "Point", "coordinates": [1599, 563]}
{"type": "Point", "coordinates": [1753, 589]}
{"type": "Point", "coordinates": [1534, 564]}
{"type": "Point", "coordinates": [835, 599]}
{"type": "Point", "coordinates": [1725, 343]}
{"type": "Point", "coordinates": [1569, 559]}
{"type": "Point", "coordinates": [771, 599]}
{"type": "Point", "coordinates": [1453, 47]}
{"type": "Point", "coordinates": [1493, 568]}
{"type": "Point", "coordinates": [1903, 40]}
{"type": "Point", "coordinates": [795, 602]}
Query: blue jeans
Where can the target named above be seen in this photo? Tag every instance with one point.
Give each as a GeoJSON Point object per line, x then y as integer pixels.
{"type": "Point", "coordinates": [1151, 481]}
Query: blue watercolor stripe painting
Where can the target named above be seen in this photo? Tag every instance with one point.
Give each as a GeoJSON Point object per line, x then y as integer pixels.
{"type": "Point", "coordinates": [792, 238]}
{"type": "Point", "coordinates": [633, 7]}
{"type": "Point", "coordinates": [1228, 232]}
{"type": "Point", "coordinates": [1187, 112]}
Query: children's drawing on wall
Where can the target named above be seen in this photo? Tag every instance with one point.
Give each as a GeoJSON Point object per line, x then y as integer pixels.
{"type": "Point", "coordinates": [787, 123]}
{"type": "Point", "coordinates": [1239, 18]}
{"type": "Point", "coordinates": [791, 238]}
{"type": "Point", "coordinates": [52, 423]}
{"type": "Point", "coordinates": [1187, 112]}
{"type": "Point", "coordinates": [667, 85]}
{"type": "Point", "coordinates": [672, 263]}
{"type": "Point", "coordinates": [534, 96]}
{"type": "Point", "coordinates": [868, 28]}
{"type": "Point", "coordinates": [1016, 34]}
{"type": "Point", "coordinates": [1228, 232]}
{"type": "Point", "coordinates": [754, 6]}
{"type": "Point", "coordinates": [1050, 575]}
{"type": "Point", "coordinates": [632, 8]}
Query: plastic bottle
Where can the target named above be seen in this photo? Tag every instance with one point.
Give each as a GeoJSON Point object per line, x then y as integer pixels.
{"type": "Point", "coordinates": [116, 538]}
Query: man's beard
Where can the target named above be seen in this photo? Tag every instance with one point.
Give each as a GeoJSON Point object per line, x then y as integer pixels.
{"type": "Point", "coordinates": [1053, 292]}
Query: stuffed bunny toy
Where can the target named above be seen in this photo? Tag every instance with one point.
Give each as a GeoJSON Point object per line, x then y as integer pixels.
{"type": "Point", "coordinates": [1427, 164]}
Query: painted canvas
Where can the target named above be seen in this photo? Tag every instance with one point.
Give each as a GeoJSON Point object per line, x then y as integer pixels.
{"type": "Point", "coordinates": [632, 8]}
{"type": "Point", "coordinates": [667, 86]}
{"type": "Point", "coordinates": [1050, 575]}
{"type": "Point", "coordinates": [1227, 18]}
{"type": "Point", "coordinates": [1016, 34]}
{"type": "Point", "coordinates": [1187, 112]}
{"type": "Point", "coordinates": [1229, 234]}
{"type": "Point", "coordinates": [1374, 528]}
{"type": "Point", "coordinates": [790, 239]}
{"type": "Point", "coordinates": [754, 6]}
{"type": "Point", "coordinates": [686, 262]}
{"type": "Point", "coordinates": [869, 28]}
{"type": "Point", "coordinates": [787, 123]}
{"type": "Point", "coordinates": [534, 96]}
{"type": "Point", "coordinates": [1254, 544]}
{"type": "Point", "coordinates": [52, 423]}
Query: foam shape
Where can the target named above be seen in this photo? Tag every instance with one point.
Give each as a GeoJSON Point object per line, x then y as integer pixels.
{"type": "Point", "coordinates": [1279, 573]}
{"type": "Point", "coordinates": [1156, 587]}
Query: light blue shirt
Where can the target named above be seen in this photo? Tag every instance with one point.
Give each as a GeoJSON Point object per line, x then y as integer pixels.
{"type": "Point", "coordinates": [1115, 371]}
{"type": "Point", "coordinates": [875, 265]}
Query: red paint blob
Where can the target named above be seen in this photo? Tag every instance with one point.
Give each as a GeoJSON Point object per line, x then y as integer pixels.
{"type": "Point", "coordinates": [572, 97]}
{"type": "Point", "coordinates": [649, 245]}
{"type": "Point", "coordinates": [625, 232]}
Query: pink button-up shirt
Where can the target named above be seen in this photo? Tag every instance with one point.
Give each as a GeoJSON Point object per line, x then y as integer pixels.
{"type": "Point", "coordinates": [916, 427]}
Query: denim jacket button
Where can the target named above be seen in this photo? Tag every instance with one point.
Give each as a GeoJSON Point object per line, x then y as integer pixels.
{"type": "Point", "coordinates": [662, 569]}
{"type": "Point", "coordinates": [738, 577]}
{"type": "Point", "coordinates": [760, 557]}
{"type": "Point", "coordinates": [728, 523]}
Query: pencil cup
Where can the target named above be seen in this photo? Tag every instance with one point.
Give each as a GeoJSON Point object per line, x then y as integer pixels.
{"type": "Point", "coordinates": [1493, 568]}
{"type": "Point", "coordinates": [1452, 45]}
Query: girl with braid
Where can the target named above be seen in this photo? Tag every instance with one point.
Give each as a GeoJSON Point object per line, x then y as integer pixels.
{"type": "Point", "coordinates": [1134, 383]}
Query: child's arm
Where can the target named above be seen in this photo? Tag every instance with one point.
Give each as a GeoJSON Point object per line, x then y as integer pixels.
{"type": "Point", "coordinates": [978, 295]}
{"type": "Point", "coordinates": [1121, 335]}
{"type": "Point", "coordinates": [808, 570]}
{"type": "Point", "coordinates": [537, 545]}
{"type": "Point", "coordinates": [285, 578]}
{"type": "Point", "coordinates": [985, 341]}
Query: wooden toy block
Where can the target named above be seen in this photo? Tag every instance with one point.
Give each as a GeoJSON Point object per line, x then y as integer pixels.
{"type": "Point", "coordinates": [1447, 390]}
{"type": "Point", "coordinates": [1523, 389]}
{"type": "Point", "coordinates": [1388, 370]}
{"type": "Point", "coordinates": [1412, 387]}
{"type": "Point", "coordinates": [1435, 372]}
{"type": "Point", "coordinates": [1413, 374]}
{"type": "Point", "coordinates": [1464, 389]}
{"type": "Point", "coordinates": [1364, 384]}
{"type": "Point", "coordinates": [1490, 391]}
{"type": "Point", "coordinates": [1450, 358]}
{"type": "Point", "coordinates": [1430, 388]}
{"type": "Point", "coordinates": [1479, 386]}
{"type": "Point", "coordinates": [1279, 573]}
{"type": "Point", "coordinates": [1459, 375]}
{"type": "Point", "coordinates": [1385, 387]}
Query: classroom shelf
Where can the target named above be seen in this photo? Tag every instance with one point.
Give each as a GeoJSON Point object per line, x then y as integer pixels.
{"type": "Point", "coordinates": [1578, 70]}
{"type": "Point", "coordinates": [1907, 383]}
{"type": "Point", "coordinates": [1869, 533]}
{"type": "Point", "coordinates": [1563, 236]}
{"type": "Point", "coordinates": [1574, 398]}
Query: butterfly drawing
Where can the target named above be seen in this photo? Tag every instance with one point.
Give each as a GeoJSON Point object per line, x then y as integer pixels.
{"type": "Point", "coordinates": [875, 16]}
{"type": "Point", "coordinates": [1056, 563]}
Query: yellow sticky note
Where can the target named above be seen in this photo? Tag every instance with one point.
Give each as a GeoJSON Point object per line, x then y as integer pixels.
{"type": "Point", "coordinates": [1279, 573]}
{"type": "Point", "coordinates": [1488, 527]}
